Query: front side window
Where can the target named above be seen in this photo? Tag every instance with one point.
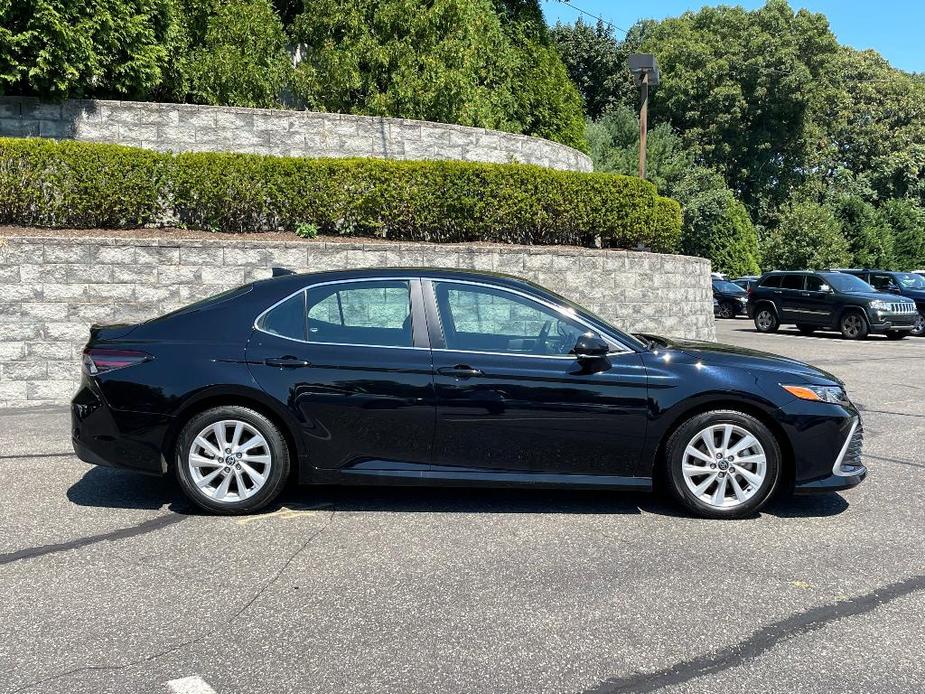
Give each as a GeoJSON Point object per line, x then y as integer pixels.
{"type": "Point", "coordinates": [361, 313]}
{"type": "Point", "coordinates": [483, 319]}
{"type": "Point", "coordinates": [813, 283]}
{"type": "Point", "coordinates": [882, 282]}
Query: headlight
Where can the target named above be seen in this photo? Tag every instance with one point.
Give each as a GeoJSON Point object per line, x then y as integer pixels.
{"type": "Point", "coordinates": [880, 305]}
{"type": "Point", "coordinates": [834, 394]}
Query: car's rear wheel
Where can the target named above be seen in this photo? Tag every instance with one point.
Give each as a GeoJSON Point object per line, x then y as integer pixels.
{"type": "Point", "coordinates": [723, 464]}
{"type": "Point", "coordinates": [231, 460]}
{"type": "Point", "coordinates": [806, 329]}
{"type": "Point", "coordinates": [766, 320]}
{"type": "Point", "coordinates": [854, 326]}
{"type": "Point", "coordinates": [896, 334]}
{"type": "Point", "coordinates": [919, 328]}
{"type": "Point", "coordinates": [727, 310]}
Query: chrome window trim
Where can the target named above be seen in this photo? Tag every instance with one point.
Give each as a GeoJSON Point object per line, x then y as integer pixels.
{"type": "Point", "coordinates": [621, 348]}
{"type": "Point", "coordinates": [409, 280]}
{"type": "Point", "coordinates": [548, 304]}
{"type": "Point", "coordinates": [836, 469]}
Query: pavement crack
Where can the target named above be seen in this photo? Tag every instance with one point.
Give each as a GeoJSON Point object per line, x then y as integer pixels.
{"type": "Point", "coordinates": [275, 577]}
{"type": "Point", "coordinates": [142, 528]}
{"type": "Point", "coordinates": [895, 460]}
{"type": "Point", "coordinates": [760, 641]}
{"type": "Point", "coordinates": [198, 637]}
{"type": "Point", "coordinates": [898, 414]}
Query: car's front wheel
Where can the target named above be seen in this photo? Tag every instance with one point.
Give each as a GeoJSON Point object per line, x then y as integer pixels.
{"type": "Point", "coordinates": [919, 328]}
{"type": "Point", "coordinates": [766, 320]}
{"type": "Point", "coordinates": [231, 460]}
{"type": "Point", "coordinates": [854, 326]}
{"type": "Point", "coordinates": [727, 310]}
{"type": "Point", "coordinates": [723, 464]}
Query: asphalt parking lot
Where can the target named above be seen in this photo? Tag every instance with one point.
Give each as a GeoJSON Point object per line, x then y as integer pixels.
{"type": "Point", "coordinates": [110, 583]}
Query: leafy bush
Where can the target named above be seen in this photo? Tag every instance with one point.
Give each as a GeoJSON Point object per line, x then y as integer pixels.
{"type": "Point", "coordinates": [809, 236]}
{"type": "Point", "coordinates": [81, 184]}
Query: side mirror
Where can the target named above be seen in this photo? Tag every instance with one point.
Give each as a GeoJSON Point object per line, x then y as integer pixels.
{"type": "Point", "coordinates": [825, 288]}
{"type": "Point", "coordinates": [590, 346]}
{"type": "Point", "coordinates": [893, 289]}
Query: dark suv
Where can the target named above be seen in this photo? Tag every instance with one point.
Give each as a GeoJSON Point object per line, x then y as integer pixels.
{"type": "Point", "coordinates": [907, 284]}
{"type": "Point", "coordinates": [829, 301]}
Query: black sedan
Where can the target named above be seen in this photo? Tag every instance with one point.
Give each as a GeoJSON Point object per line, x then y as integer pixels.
{"type": "Point", "coordinates": [732, 299]}
{"type": "Point", "coordinates": [442, 377]}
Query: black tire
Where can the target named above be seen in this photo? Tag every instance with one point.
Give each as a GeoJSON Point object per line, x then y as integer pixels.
{"type": "Point", "coordinates": [674, 457]}
{"type": "Point", "coordinates": [896, 334]}
{"type": "Point", "coordinates": [727, 310]}
{"type": "Point", "coordinates": [806, 329]}
{"type": "Point", "coordinates": [853, 325]}
{"type": "Point", "coordinates": [919, 328]}
{"type": "Point", "coordinates": [766, 320]}
{"type": "Point", "coordinates": [275, 447]}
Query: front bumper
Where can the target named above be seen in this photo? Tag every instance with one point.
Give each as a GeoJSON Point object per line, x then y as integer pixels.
{"type": "Point", "coordinates": [832, 483]}
{"type": "Point", "coordinates": [881, 321]}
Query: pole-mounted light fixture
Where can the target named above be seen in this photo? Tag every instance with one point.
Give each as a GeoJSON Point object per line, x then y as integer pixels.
{"type": "Point", "coordinates": [645, 71]}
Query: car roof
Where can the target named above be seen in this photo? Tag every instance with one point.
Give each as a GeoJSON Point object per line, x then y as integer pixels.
{"type": "Point", "coordinates": [498, 278]}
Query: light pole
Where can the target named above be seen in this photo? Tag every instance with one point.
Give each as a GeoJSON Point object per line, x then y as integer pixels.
{"type": "Point", "coordinates": [645, 71]}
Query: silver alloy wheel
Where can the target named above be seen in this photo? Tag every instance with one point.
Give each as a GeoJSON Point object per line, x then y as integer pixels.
{"type": "Point", "coordinates": [724, 465]}
{"type": "Point", "coordinates": [726, 310]}
{"type": "Point", "coordinates": [919, 328]}
{"type": "Point", "coordinates": [229, 461]}
{"type": "Point", "coordinates": [853, 325]}
{"type": "Point", "coordinates": [764, 319]}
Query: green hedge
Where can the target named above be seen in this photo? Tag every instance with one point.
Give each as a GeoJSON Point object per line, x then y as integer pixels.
{"type": "Point", "coordinates": [79, 184]}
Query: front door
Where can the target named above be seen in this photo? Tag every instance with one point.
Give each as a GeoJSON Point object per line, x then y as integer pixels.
{"type": "Point", "coordinates": [510, 397]}
{"type": "Point", "coordinates": [818, 302]}
{"type": "Point", "coordinates": [352, 362]}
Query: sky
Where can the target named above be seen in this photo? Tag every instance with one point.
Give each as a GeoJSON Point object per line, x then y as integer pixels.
{"type": "Point", "coordinates": [892, 27]}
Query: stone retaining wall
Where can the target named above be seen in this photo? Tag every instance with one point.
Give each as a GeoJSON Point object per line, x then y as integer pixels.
{"type": "Point", "coordinates": [53, 288]}
{"type": "Point", "coordinates": [193, 128]}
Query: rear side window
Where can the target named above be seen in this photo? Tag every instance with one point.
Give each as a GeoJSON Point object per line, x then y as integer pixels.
{"type": "Point", "coordinates": [772, 281]}
{"type": "Point", "coordinates": [287, 319]}
{"type": "Point", "coordinates": [361, 313]}
{"type": "Point", "coordinates": [792, 282]}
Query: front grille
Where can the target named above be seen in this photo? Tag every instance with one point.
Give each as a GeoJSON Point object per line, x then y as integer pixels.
{"type": "Point", "coordinates": [905, 307]}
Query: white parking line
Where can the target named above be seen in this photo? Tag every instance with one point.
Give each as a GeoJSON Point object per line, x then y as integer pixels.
{"type": "Point", "coordinates": [190, 685]}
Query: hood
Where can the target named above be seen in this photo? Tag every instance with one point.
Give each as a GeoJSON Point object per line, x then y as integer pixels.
{"type": "Point", "coordinates": [874, 296]}
{"type": "Point", "coordinates": [917, 294]}
{"type": "Point", "coordinates": [717, 354]}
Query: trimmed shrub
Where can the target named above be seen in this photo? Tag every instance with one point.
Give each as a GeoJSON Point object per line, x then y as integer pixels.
{"type": "Point", "coordinates": [80, 184]}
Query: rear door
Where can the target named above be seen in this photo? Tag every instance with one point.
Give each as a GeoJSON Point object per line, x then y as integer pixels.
{"type": "Point", "coordinates": [352, 362]}
{"type": "Point", "coordinates": [791, 301]}
{"type": "Point", "coordinates": [510, 397]}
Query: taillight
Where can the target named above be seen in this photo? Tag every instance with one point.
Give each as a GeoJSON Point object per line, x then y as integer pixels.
{"type": "Point", "coordinates": [97, 360]}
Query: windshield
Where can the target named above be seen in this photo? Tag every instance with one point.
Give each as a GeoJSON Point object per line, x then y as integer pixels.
{"type": "Point", "coordinates": [909, 280]}
{"type": "Point", "coordinates": [850, 284]}
{"type": "Point", "coordinates": [727, 287]}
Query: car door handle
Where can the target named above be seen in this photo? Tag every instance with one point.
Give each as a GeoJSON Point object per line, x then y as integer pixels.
{"type": "Point", "coordinates": [459, 371]}
{"type": "Point", "coordinates": [804, 293]}
{"type": "Point", "coordinates": [287, 362]}
{"type": "Point", "coordinates": [778, 291]}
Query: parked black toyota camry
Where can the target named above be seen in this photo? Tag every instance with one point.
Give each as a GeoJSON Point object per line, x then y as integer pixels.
{"type": "Point", "coordinates": [443, 377]}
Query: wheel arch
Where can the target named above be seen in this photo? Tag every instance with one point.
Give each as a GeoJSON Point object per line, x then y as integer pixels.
{"type": "Point", "coordinates": [759, 303]}
{"type": "Point", "coordinates": [251, 398]}
{"type": "Point", "coordinates": [693, 408]}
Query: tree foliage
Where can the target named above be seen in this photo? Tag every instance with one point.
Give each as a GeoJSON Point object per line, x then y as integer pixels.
{"type": "Point", "coordinates": [809, 236]}
{"type": "Point", "coordinates": [64, 48]}
{"type": "Point", "coordinates": [771, 101]}
{"type": "Point", "coordinates": [488, 63]}
{"type": "Point", "coordinates": [715, 224]}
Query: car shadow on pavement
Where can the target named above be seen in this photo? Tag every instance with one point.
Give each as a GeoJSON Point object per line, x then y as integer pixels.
{"type": "Point", "coordinates": [112, 488]}
{"type": "Point", "coordinates": [792, 332]}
